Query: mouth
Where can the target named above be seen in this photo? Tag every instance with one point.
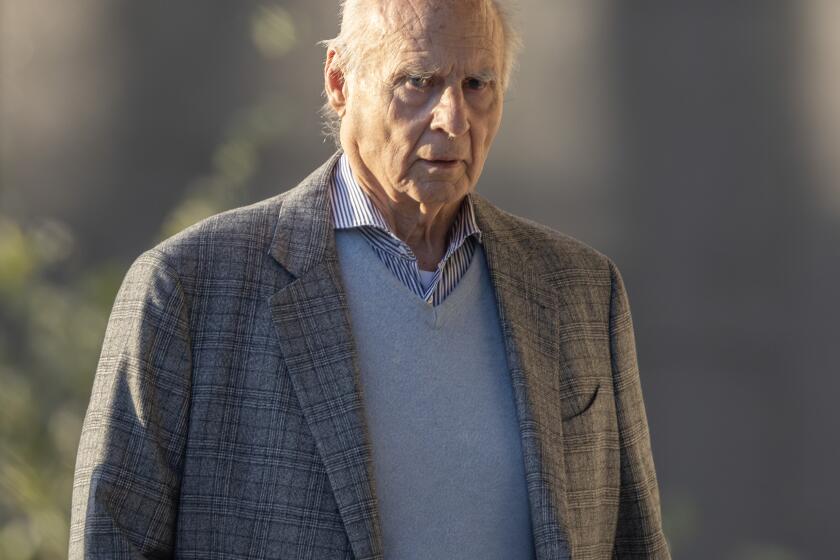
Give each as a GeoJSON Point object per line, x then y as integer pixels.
{"type": "Point", "coordinates": [443, 163]}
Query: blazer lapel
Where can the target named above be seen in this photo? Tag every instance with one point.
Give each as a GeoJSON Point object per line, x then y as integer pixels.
{"type": "Point", "coordinates": [312, 321]}
{"type": "Point", "coordinates": [529, 315]}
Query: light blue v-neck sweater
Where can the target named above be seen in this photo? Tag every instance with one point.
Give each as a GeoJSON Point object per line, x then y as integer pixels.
{"type": "Point", "coordinates": [447, 460]}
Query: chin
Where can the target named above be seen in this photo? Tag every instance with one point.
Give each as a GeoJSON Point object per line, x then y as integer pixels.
{"type": "Point", "coordinates": [440, 192]}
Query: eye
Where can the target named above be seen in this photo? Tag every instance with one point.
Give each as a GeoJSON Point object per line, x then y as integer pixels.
{"type": "Point", "coordinates": [418, 82]}
{"type": "Point", "coordinates": [476, 84]}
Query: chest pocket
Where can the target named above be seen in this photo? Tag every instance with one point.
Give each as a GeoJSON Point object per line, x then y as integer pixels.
{"type": "Point", "coordinates": [579, 401]}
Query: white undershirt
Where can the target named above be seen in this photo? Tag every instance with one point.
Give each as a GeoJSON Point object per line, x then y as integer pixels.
{"type": "Point", "coordinates": [426, 277]}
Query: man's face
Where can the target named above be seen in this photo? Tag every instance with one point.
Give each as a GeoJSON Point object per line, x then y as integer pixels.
{"type": "Point", "coordinates": [421, 115]}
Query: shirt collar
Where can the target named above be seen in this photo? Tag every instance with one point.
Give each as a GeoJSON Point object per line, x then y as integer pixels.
{"type": "Point", "coordinates": [353, 208]}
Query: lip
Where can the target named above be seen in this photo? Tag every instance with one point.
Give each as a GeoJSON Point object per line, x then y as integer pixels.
{"type": "Point", "coordinates": [444, 163]}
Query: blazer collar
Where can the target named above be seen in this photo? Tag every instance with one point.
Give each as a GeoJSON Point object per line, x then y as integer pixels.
{"type": "Point", "coordinates": [304, 233]}
{"type": "Point", "coordinates": [312, 320]}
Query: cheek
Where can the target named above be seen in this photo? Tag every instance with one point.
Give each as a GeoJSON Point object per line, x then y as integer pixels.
{"type": "Point", "coordinates": [413, 111]}
{"type": "Point", "coordinates": [488, 128]}
{"type": "Point", "coordinates": [409, 124]}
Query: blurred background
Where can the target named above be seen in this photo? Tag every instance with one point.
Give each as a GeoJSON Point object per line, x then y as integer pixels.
{"type": "Point", "coordinates": [696, 143]}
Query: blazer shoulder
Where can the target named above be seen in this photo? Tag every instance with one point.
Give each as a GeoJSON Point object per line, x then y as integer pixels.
{"type": "Point", "coordinates": [553, 252]}
{"type": "Point", "coordinates": [222, 239]}
{"type": "Point", "coordinates": [236, 236]}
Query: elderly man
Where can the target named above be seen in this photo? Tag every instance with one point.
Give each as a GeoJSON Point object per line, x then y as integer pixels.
{"type": "Point", "coordinates": [377, 363]}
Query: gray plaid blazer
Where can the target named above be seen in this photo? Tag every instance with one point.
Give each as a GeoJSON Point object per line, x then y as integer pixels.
{"type": "Point", "coordinates": [225, 419]}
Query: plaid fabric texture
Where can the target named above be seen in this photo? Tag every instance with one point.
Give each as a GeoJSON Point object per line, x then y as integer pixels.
{"type": "Point", "coordinates": [225, 420]}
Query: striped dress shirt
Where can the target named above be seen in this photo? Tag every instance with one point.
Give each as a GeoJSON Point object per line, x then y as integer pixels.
{"type": "Point", "coordinates": [352, 208]}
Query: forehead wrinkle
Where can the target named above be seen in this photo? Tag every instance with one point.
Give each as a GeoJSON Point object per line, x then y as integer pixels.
{"type": "Point", "coordinates": [412, 27]}
{"type": "Point", "coordinates": [405, 42]}
{"type": "Point", "coordinates": [402, 25]}
{"type": "Point", "coordinates": [418, 14]}
{"type": "Point", "coordinates": [397, 19]}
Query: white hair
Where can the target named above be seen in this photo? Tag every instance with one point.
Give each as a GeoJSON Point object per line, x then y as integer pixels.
{"type": "Point", "coordinates": [361, 25]}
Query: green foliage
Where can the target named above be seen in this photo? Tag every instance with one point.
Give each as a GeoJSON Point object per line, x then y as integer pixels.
{"type": "Point", "coordinates": [273, 31]}
{"type": "Point", "coordinates": [235, 161]}
{"type": "Point", "coordinates": [680, 519]}
{"type": "Point", "coordinates": [53, 318]}
{"type": "Point", "coordinates": [51, 335]}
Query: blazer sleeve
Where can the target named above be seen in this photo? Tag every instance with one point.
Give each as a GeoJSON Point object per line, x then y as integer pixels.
{"type": "Point", "coordinates": [639, 529]}
{"type": "Point", "coordinates": [127, 478]}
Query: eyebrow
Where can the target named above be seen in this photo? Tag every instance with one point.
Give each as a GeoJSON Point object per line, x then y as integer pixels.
{"type": "Point", "coordinates": [485, 75]}
{"type": "Point", "coordinates": [416, 69]}
{"type": "Point", "coordinates": [420, 70]}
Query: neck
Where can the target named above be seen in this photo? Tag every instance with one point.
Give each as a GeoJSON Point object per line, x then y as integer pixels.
{"type": "Point", "coordinates": [423, 227]}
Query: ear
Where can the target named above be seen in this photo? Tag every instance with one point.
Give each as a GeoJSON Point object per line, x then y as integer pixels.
{"type": "Point", "coordinates": [334, 84]}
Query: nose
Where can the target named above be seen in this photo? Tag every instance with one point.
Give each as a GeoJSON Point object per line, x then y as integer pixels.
{"type": "Point", "coordinates": [450, 113]}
